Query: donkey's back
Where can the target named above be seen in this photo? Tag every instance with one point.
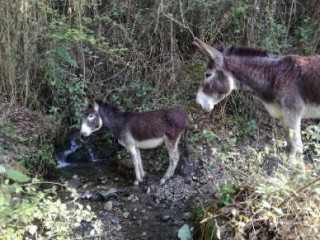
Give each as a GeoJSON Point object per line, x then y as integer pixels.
{"type": "Point", "coordinates": [309, 81]}
{"type": "Point", "coordinates": [157, 124]}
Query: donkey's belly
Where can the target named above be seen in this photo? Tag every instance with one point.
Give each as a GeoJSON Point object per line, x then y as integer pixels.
{"type": "Point", "coordinates": [274, 109]}
{"type": "Point", "coordinates": [311, 111]}
{"type": "Point", "coordinates": [150, 143]}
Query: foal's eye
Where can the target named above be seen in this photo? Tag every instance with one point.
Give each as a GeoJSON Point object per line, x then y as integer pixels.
{"type": "Point", "coordinates": [91, 116]}
{"type": "Point", "coordinates": [208, 75]}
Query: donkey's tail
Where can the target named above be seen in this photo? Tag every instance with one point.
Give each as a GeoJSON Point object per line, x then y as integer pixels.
{"type": "Point", "coordinates": [185, 144]}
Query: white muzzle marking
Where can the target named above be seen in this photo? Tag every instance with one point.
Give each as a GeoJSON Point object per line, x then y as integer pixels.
{"type": "Point", "coordinates": [206, 102]}
{"type": "Point", "coordinates": [85, 130]}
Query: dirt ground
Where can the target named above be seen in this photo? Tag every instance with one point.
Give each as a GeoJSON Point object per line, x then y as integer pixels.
{"type": "Point", "coordinates": [149, 211]}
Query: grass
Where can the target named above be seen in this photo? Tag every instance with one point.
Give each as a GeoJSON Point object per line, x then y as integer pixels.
{"type": "Point", "coordinates": [256, 205]}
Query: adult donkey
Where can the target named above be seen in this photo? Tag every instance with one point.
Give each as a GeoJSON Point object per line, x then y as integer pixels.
{"type": "Point", "coordinates": [288, 86]}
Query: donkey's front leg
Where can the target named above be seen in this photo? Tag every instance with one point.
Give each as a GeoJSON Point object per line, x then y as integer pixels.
{"type": "Point", "coordinates": [140, 166]}
{"type": "Point", "coordinates": [172, 147]}
{"type": "Point", "coordinates": [134, 152]}
{"type": "Point", "coordinates": [292, 122]}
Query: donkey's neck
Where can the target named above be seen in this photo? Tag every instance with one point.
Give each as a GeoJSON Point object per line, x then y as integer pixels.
{"type": "Point", "coordinates": [253, 74]}
{"type": "Point", "coordinates": [113, 118]}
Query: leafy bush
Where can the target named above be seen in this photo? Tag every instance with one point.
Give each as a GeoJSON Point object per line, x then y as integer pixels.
{"type": "Point", "coordinates": [282, 205]}
{"type": "Point", "coordinates": [41, 163]}
{"type": "Point", "coordinates": [28, 211]}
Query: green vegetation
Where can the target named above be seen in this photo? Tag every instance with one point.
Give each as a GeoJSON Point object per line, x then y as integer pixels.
{"type": "Point", "coordinates": [30, 211]}
{"type": "Point", "coordinates": [138, 54]}
{"type": "Point", "coordinates": [255, 205]}
{"type": "Point", "coordinates": [41, 163]}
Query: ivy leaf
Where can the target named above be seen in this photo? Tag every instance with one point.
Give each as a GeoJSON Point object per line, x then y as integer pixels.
{"type": "Point", "coordinates": [184, 233]}
{"type": "Point", "coordinates": [2, 169]}
{"type": "Point", "coordinates": [32, 229]}
{"type": "Point", "coordinates": [17, 176]}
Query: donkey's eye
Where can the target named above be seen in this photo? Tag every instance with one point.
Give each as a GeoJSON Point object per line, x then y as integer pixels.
{"type": "Point", "coordinates": [91, 116]}
{"type": "Point", "coordinates": [208, 75]}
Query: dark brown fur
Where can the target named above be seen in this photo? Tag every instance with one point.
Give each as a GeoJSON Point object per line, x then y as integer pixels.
{"type": "Point", "coordinates": [288, 86]}
{"type": "Point", "coordinates": [144, 125]}
{"type": "Point", "coordinates": [242, 51]}
{"type": "Point", "coordinates": [137, 131]}
{"type": "Point", "coordinates": [270, 78]}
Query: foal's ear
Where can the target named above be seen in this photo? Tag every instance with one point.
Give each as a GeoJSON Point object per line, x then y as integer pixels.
{"type": "Point", "coordinates": [95, 106]}
{"type": "Point", "coordinates": [208, 51]}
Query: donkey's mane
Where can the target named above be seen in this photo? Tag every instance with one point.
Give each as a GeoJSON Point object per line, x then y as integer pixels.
{"type": "Point", "coordinates": [109, 107]}
{"type": "Point", "coordinates": [242, 51]}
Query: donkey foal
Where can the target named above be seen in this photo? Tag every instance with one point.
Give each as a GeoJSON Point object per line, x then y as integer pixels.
{"type": "Point", "coordinates": [137, 131]}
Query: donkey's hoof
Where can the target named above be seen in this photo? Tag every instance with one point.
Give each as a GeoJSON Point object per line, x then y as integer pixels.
{"type": "Point", "coordinates": [136, 183]}
{"type": "Point", "coordinates": [162, 181]}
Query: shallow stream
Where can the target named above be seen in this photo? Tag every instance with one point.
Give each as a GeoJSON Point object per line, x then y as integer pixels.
{"type": "Point", "coordinates": [149, 211]}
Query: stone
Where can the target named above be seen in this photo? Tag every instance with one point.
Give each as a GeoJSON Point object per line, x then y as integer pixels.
{"type": "Point", "coordinates": [109, 194]}
{"type": "Point", "coordinates": [74, 183]}
{"type": "Point", "coordinates": [125, 214]}
{"type": "Point", "coordinates": [108, 206]}
{"type": "Point", "coordinates": [186, 215]}
{"type": "Point", "coordinates": [165, 218]}
{"type": "Point", "coordinates": [115, 220]}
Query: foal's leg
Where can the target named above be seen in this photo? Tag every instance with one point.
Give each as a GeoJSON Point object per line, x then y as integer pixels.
{"type": "Point", "coordinates": [134, 152]}
{"type": "Point", "coordinates": [292, 123]}
{"type": "Point", "coordinates": [142, 173]}
{"type": "Point", "coordinates": [172, 147]}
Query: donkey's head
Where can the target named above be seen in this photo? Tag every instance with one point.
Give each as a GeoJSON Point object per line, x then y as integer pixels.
{"type": "Point", "coordinates": [92, 120]}
{"type": "Point", "coordinates": [218, 82]}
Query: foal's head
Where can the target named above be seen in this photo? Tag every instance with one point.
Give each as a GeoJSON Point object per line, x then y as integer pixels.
{"type": "Point", "coordinates": [91, 120]}
{"type": "Point", "coordinates": [218, 82]}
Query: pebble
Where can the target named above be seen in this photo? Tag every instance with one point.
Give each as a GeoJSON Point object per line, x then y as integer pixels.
{"type": "Point", "coordinates": [165, 217]}
{"type": "Point", "coordinates": [109, 194]}
{"type": "Point", "coordinates": [195, 178]}
{"type": "Point", "coordinates": [186, 215]}
{"type": "Point", "coordinates": [74, 183]}
{"type": "Point", "coordinates": [115, 220]}
{"type": "Point", "coordinates": [125, 214]}
{"type": "Point", "coordinates": [133, 198]}
{"type": "Point", "coordinates": [130, 197]}
{"type": "Point", "coordinates": [108, 206]}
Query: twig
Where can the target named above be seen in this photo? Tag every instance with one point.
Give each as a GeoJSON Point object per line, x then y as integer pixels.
{"type": "Point", "coordinates": [299, 190]}
{"type": "Point", "coordinates": [184, 23]}
{"type": "Point", "coordinates": [53, 183]}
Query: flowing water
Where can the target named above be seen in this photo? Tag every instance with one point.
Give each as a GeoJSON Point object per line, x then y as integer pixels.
{"type": "Point", "coordinates": [130, 212]}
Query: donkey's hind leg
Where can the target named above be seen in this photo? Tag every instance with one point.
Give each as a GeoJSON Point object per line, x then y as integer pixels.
{"type": "Point", "coordinates": [172, 147]}
{"type": "Point", "coordinates": [292, 122]}
{"type": "Point", "coordinates": [134, 152]}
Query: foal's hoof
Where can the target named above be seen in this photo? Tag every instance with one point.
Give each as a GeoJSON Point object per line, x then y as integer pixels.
{"type": "Point", "coordinates": [162, 181]}
{"type": "Point", "coordinates": [136, 183]}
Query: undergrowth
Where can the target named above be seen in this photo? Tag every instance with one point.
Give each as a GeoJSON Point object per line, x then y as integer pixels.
{"type": "Point", "coordinates": [32, 211]}
{"type": "Point", "coordinates": [255, 205]}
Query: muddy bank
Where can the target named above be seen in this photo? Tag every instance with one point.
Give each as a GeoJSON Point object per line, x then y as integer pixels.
{"type": "Point", "coordinates": [147, 211]}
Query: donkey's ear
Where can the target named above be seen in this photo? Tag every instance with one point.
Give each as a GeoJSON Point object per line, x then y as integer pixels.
{"type": "Point", "coordinates": [208, 51]}
{"type": "Point", "coordinates": [85, 100]}
{"type": "Point", "coordinates": [95, 106]}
